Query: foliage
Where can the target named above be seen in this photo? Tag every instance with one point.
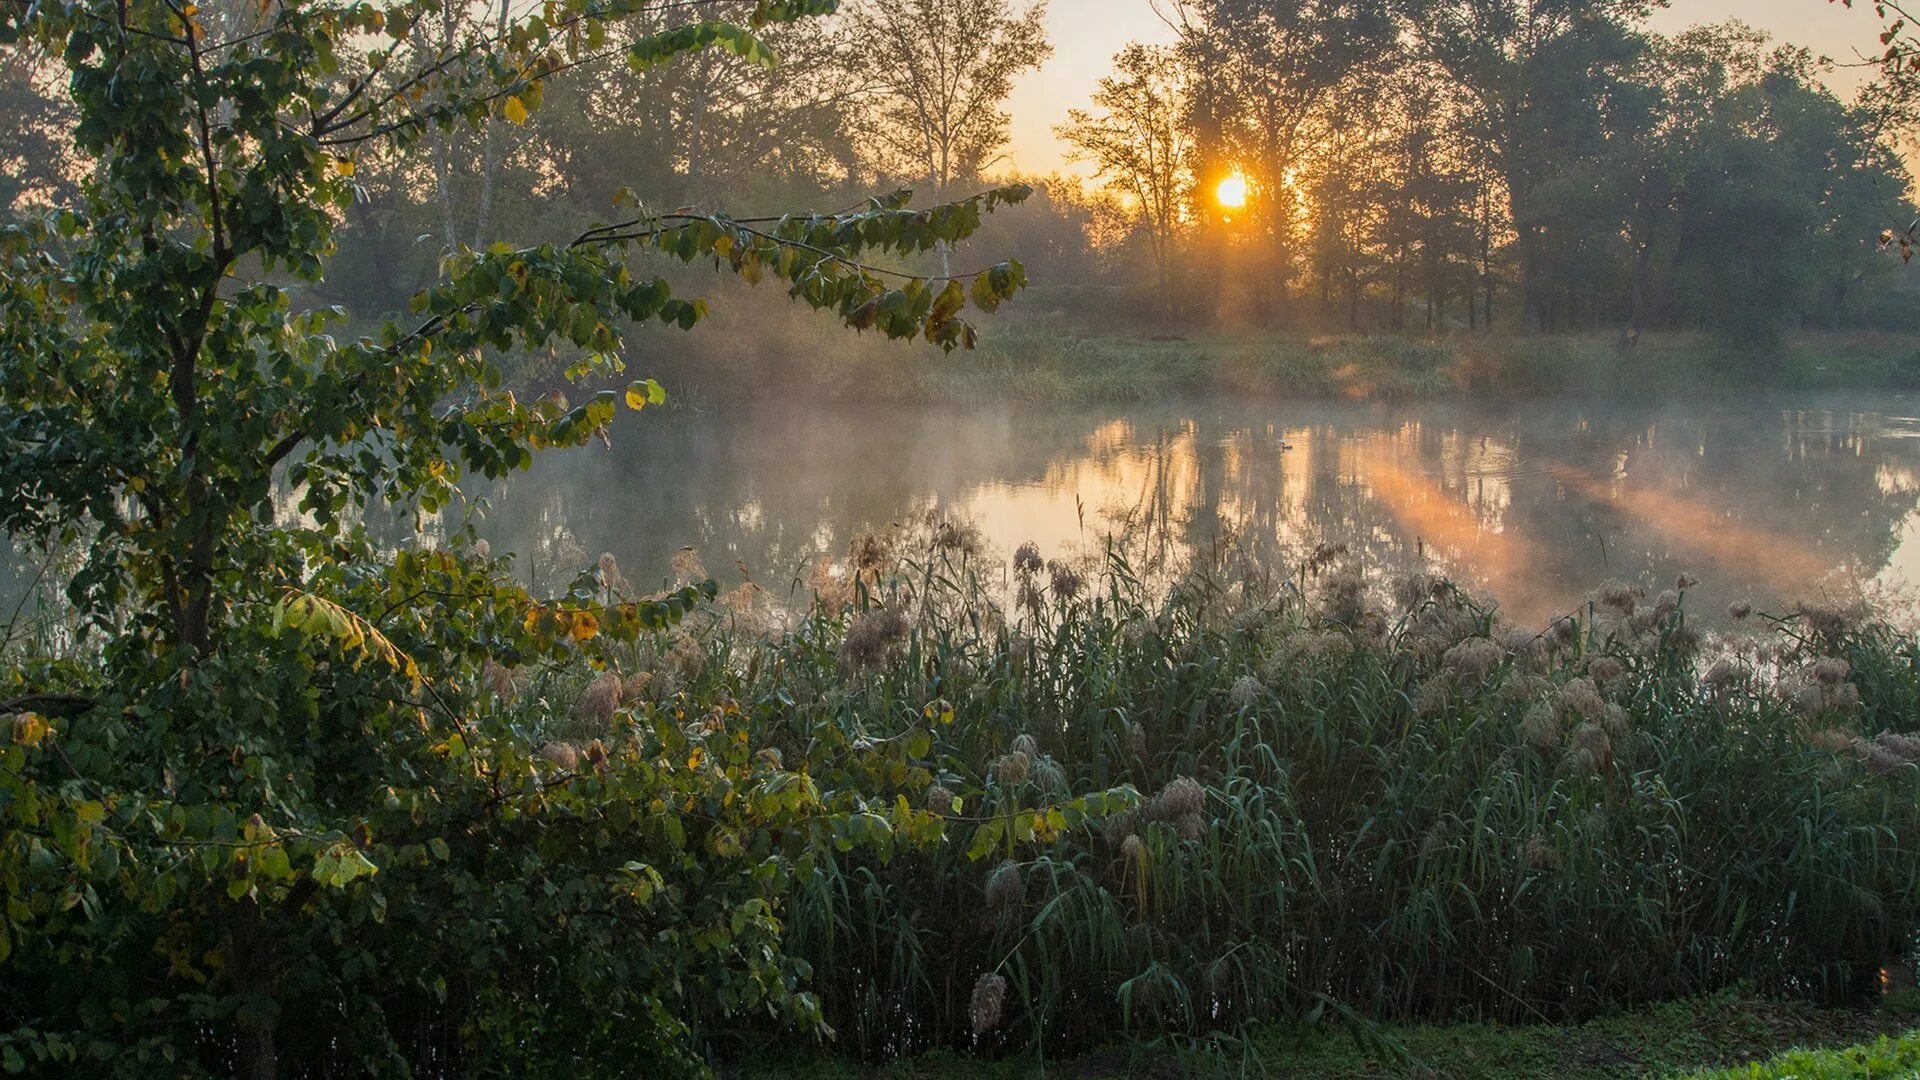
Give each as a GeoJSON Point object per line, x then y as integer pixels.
{"type": "Point", "coordinates": [270, 784]}
{"type": "Point", "coordinates": [1140, 144]}
{"type": "Point", "coordinates": [1885, 1057]}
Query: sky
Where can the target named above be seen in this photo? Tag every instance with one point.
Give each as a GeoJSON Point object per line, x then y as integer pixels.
{"type": "Point", "coordinates": [1086, 34]}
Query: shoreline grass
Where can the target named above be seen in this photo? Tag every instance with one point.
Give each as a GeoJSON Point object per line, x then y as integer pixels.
{"type": "Point", "coordinates": [1039, 364]}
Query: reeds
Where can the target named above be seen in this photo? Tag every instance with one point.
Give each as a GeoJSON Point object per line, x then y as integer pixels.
{"type": "Point", "coordinates": [1576, 822]}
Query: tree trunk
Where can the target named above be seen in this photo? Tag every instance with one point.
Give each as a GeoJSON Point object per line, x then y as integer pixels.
{"type": "Point", "coordinates": [250, 965]}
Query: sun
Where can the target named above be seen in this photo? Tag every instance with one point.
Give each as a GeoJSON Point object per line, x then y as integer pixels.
{"type": "Point", "coordinates": [1232, 192]}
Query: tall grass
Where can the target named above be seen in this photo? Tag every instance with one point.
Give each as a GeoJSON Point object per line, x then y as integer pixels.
{"type": "Point", "coordinates": [1402, 807]}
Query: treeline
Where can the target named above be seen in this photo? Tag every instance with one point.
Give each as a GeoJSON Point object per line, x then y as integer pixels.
{"type": "Point", "coordinates": [1324, 165]}
{"type": "Point", "coordinates": [1547, 166]}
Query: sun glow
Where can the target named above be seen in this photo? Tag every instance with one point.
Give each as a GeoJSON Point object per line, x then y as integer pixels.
{"type": "Point", "coordinates": [1232, 192]}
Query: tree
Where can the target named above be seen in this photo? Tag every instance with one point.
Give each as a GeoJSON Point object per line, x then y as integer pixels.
{"type": "Point", "coordinates": [937, 74]}
{"type": "Point", "coordinates": [286, 725]}
{"type": "Point", "coordinates": [1265, 76]}
{"type": "Point", "coordinates": [1537, 73]}
{"type": "Point", "coordinates": [1139, 143]}
{"type": "Point", "coordinates": [35, 167]}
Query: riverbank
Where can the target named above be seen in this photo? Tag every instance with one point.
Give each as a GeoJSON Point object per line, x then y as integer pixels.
{"type": "Point", "coordinates": [1716, 1038]}
{"type": "Point", "coordinates": [1045, 365]}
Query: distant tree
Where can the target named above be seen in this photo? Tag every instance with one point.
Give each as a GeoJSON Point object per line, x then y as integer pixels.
{"type": "Point", "coordinates": [936, 74]}
{"type": "Point", "coordinates": [1140, 145]}
{"type": "Point", "coordinates": [1265, 77]}
{"type": "Point", "coordinates": [1537, 75]}
{"type": "Point", "coordinates": [37, 165]}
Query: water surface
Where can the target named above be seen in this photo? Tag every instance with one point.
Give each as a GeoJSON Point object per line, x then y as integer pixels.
{"type": "Point", "coordinates": [1772, 499]}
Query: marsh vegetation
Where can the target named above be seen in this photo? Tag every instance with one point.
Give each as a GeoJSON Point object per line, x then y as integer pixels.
{"type": "Point", "coordinates": [1239, 648]}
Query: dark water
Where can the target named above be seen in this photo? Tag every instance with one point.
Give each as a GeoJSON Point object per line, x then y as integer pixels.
{"type": "Point", "coordinates": [1535, 502]}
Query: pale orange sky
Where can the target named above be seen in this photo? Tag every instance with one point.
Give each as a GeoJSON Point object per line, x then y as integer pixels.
{"type": "Point", "coordinates": [1086, 34]}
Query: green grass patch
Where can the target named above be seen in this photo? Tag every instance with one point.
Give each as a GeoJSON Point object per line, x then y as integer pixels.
{"type": "Point", "coordinates": [1716, 1038]}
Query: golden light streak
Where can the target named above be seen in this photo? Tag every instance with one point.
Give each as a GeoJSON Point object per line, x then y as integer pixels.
{"type": "Point", "coordinates": [1780, 562]}
{"type": "Point", "coordinates": [1440, 523]}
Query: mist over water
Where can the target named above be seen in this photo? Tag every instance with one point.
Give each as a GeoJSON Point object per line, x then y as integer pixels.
{"type": "Point", "coordinates": [1535, 502]}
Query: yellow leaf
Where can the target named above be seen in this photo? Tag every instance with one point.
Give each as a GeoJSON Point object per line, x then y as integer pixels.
{"type": "Point", "coordinates": [30, 728]}
{"type": "Point", "coordinates": [585, 626]}
{"type": "Point", "coordinates": [515, 110]}
{"type": "Point", "coordinates": [343, 166]}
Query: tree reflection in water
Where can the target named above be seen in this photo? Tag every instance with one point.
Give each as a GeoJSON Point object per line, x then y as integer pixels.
{"type": "Point", "coordinates": [1533, 502]}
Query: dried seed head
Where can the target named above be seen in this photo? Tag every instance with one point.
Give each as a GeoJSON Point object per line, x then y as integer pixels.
{"type": "Point", "coordinates": [1133, 850]}
{"type": "Point", "coordinates": [1435, 695]}
{"type": "Point", "coordinates": [1181, 797]}
{"type": "Point", "coordinates": [1605, 669]}
{"type": "Point", "coordinates": [1618, 722]}
{"type": "Point", "coordinates": [1246, 692]}
{"type": "Point", "coordinates": [687, 567]}
{"type": "Point", "coordinates": [988, 1004]}
{"type": "Point", "coordinates": [940, 799]}
{"type": "Point", "coordinates": [1006, 886]}
{"type": "Point", "coordinates": [1191, 827]}
{"type": "Point", "coordinates": [1881, 760]}
{"type": "Point", "coordinates": [1026, 559]}
{"type": "Point", "coordinates": [1667, 602]}
{"type": "Point", "coordinates": [1684, 641]}
{"type": "Point", "coordinates": [1581, 698]}
{"type": "Point", "coordinates": [562, 755]}
{"type": "Point", "coordinates": [869, 553]}
{"type": "Point", "coordinates": [1907, 746]}
{"type": "Point", "coordinates": [1564, 631]}
{"type": "Point", "coordinates": [1541, 727]}
{"type": "Point", "coordinates": [1831, 670]}
{"type": "Point", "coordinates": [500, 680]}
{"type": "Point", "coordinates": [601, 699]}
{"type": "Point", "coordinates": [1026, 744]}
{"type": "Point", "coordinates": [962, 537]}
{"type": "Point", "coordinates": [1542, 855]}
{"type": "Point", "coordinates": [1833, 740]}
{"type": "Point", "coordinates": [1473, 659]}
{"type": "Point", "coordinates": [1065, 582]}
{"type": "Point", "coordinates": [1593, 739]}
{"type": "Point", "coordinates": [1723, 673]}
{"type": "Point", "coordinates": [1617, 597]}
{"type": "Point", "coordinates": [1012, 768]}
{"type": "Point", "coordinates": [872, 636]}
{"type": "Point", "coordinates": [1809, 699]}
{"type": "Point", "coordinates": [1415, 589]}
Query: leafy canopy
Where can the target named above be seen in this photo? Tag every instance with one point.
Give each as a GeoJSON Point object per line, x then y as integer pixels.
{"type": "Point", "coordinates": [284, 726]}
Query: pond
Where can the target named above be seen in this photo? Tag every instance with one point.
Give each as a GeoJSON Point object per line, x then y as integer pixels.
{"type": "Point", "coordinates": [1535, 502]}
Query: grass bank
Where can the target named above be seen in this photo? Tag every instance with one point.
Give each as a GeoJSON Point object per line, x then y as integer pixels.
{"type": "Point", "coordinates": [1055, 365]}
{"type": "Point", "coordinates": [1726, 1037]}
